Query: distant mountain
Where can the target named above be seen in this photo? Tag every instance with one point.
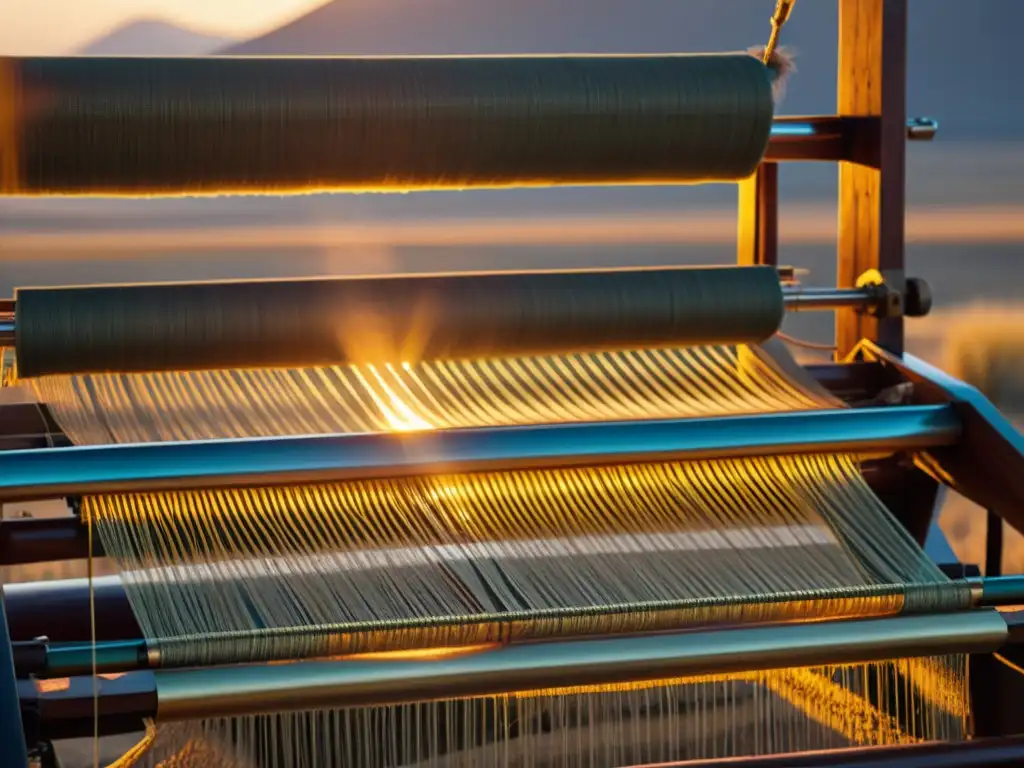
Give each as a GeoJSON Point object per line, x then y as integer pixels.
{"type": "Point", "coordinates": [152, 37]}
{"type": "Point", "coordinates": [962, 63]}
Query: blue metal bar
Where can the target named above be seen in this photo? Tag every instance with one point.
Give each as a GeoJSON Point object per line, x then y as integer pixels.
{"type": "Point", "coordinates": [238, 690]}
{"type": "Point", "coordinates": [56, 472]}
{"type": "Point", "coordinates": [918, 128]}
{"type": "Point", "coordinates": [987, 464]}
{"type": "Point", "coordinates": [67, 659]}
{"type": "Point", "coordinates": [1001, 590]}
{"type": "Point", "coordinates": [1000, 752]}
{"type": "Point", "coordinates": [187, 694]}
{"type": "Point", "coordinates": [13, 751]}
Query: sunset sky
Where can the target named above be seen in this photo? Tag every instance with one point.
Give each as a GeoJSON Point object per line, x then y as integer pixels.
{"type": "Point", "coordinates": [48, 27]}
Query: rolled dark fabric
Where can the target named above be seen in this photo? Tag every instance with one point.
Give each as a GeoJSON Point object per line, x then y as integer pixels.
{"type": "Point", "coordinates": [382, 320]}
{"type": "Point", "coordinates": [137, 126]}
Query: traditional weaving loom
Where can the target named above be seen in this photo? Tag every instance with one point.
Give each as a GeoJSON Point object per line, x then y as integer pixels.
{"type": "Point", "coordinates": [594, 518]}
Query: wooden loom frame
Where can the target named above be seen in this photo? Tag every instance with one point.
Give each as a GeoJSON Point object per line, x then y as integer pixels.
{"type": "Point", "coordinates": [867, 137]}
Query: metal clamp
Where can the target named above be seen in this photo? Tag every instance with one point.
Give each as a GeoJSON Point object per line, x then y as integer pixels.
{"type": "Point", "coordinates": [893, 295]}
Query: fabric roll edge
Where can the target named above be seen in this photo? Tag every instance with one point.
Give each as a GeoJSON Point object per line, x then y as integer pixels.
{"type": "Point", "coordinates": [315, 322]}
{"type": "Point", "coordinates": [71, 144]}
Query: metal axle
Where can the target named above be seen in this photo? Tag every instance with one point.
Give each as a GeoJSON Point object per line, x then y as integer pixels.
{"type": "Point", "coordinates": [58, 472]}
{"type": "Point", "coordinates": [226, 691]}
{"type": "Point", "coordinates": [238, 690]}
{"type": "Point", "coordinates": [809, 128]}
{"type": "Point", "coordinates": [47, 659]}
{"type": "Point", "coordinates": [796, 298]}
{"type": "Point", "coordinates": [7, 323]}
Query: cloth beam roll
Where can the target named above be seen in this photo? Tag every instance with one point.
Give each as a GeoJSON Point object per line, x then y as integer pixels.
{"type": "Point", "coordinates": [152, 126]}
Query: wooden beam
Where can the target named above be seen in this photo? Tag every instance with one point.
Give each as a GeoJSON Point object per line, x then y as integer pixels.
{"type": "Point", "coordinates": [872, 83]}
{"type": "Point", "coordinates": [758, 237]}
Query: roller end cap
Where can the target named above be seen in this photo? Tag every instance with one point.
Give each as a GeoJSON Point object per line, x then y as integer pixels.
{"type": "Point", "coordinates": [917, 301]}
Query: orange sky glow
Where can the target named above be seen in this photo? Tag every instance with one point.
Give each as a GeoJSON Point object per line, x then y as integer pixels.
{"type": "Point", "coordinates": [54, 27]}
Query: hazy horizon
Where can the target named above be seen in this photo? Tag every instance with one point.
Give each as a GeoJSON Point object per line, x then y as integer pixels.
{"type": "Point", "coordinates": [29, 29]}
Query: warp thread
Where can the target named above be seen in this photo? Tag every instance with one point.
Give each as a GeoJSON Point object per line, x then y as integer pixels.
{"type": "Point", "coordinates": [609, 386]}
{"type": "Point", "coordinates": [268, 574]}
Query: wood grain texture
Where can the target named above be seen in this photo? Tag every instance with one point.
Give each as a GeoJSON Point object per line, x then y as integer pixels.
{"type": "Point", "coordinates": [758, 235]}
{"type": "Point", "coordinates": [872, 82]}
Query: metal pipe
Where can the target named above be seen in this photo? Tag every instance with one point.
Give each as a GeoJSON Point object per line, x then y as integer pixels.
{"type": "Point", "coordinates": [809, 128]}
{"type": "Point", "coordinates": [799, 299]}
{"type": "Point", "coordinates": [835, 138]}
{"type": "Point", "coordinates": [111, 656]}
{"type": "Point", "coordinates": [976, 753]}
{"type": "Point", "coordinates": [7, 307]}
{"type": "Point", "coordinates": [56, 472]}
{"type": "Point", "coordinates": [68, 651]}
{"type": "Point", "coordinates": [998, 590]}
{"type": "Point", "coordinates": [31, 607]}
{"type": "Point", "coordinates": [241, 690]}
{"type": "Point", "coordinates": [915, 300]}
{"type": "Point", "coordinates": [922, 128]}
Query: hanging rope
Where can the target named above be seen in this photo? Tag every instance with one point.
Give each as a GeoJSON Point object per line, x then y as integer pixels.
{"type": "Point", "coordinates": [783, 9]}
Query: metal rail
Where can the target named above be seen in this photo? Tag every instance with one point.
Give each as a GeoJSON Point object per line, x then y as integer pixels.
{"type": "Point", "coordinates": [227, 691]}
{"type": "Point", "coordinates": [833, 138]}
{"type": "Point", "coordinates": [56, 472]}
{"type": "Point", "coordinates": [977, 753]}
{"type": "Point", "coordinates": [797, 129]}
{"type": "Point", "coordinates": [65, 657]}
{"type": "Point", "coordinates": [799, 299]}
{"type": "Point", "coordinates": [238, 690]}
{"type": "Point", "coordinates": [1000, 591]}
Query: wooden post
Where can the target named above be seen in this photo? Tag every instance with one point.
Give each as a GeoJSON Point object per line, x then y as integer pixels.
{"type": "Point", "coordinates": [872, 83]}
{"type": "Point", "coordinates": [758, 238]}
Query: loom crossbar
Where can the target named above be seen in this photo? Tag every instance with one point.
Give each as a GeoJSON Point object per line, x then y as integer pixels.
{"type": "Point", "coordinates": [236, 690]}
{"type": "Point", "coordinates": [56, 472]}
